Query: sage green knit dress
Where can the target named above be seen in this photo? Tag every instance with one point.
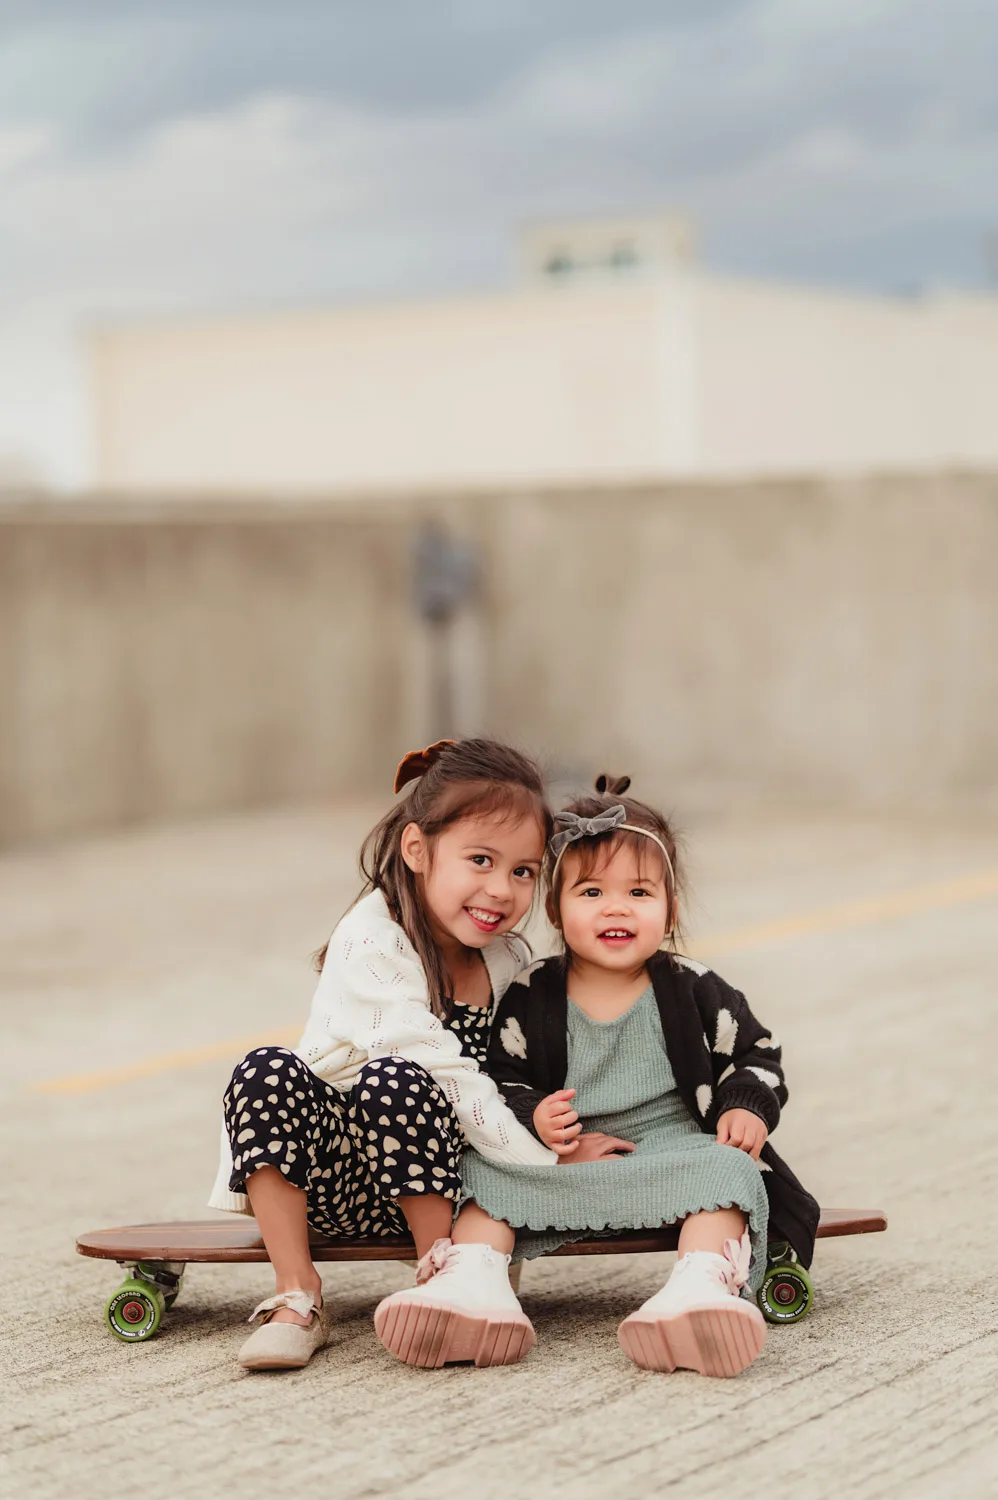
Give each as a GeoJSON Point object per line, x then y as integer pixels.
{"type": "Point", "coordinates": [625, 1087]}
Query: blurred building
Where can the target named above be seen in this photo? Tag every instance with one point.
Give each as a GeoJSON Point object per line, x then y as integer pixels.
{"type": "Point", "coordinates": [616, 358]}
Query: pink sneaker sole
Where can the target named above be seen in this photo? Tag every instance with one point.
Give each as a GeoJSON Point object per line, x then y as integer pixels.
{"type": "Point", "coordinates": [428, 1336]}
{"type": "Point", "coordinates": [711, 1340]}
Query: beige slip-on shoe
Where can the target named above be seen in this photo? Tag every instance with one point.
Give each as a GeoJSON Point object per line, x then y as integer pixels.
{"type": "Point", "coordinates": [285, 1346]}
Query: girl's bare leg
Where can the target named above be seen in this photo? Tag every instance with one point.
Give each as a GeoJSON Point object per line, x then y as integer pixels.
{"type": "Point", "coordinates": [428, 1218]}
{"type": "Point", "coordinates": [279, 1209]}
{"type": "Point", "coordinates": [474, 1227]}
{"type": "Point", "coordinates": [709, 1229]}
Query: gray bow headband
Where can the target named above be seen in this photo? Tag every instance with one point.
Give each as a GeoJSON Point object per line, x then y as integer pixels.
{"type": "Point", "coordinates": [585, 828]}
{"type": "Point", "coordinates": [576, 828]}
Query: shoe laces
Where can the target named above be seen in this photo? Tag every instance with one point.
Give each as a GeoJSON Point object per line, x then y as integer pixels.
{"type": "Point", "coordinates": [738, 1254]}
{"type": "Point", "coordinates": [731, 1265]}
{"type": "Point", "coordinates": [443, 1257]}
{"type": "Point", "coordinates": [437, 1261]}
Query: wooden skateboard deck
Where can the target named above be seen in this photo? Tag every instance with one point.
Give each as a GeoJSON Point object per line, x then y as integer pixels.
{"type": "Point", "coordinates": [154, 1257]}
{"type": "Point", "coordinates": [237, 1238]}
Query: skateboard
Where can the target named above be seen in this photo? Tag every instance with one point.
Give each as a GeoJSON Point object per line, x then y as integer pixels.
{"type": "Point", "coordinates": [155, 1256]}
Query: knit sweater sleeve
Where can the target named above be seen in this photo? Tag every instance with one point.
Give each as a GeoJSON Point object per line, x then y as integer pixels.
{"type": "Point", "coordinates": [373, 990]}
{"type": "Point", "coordinates": [746, 1057]}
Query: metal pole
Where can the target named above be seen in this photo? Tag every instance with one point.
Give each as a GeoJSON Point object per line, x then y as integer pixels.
{"type": "Point", "coordinates": [445, 578]}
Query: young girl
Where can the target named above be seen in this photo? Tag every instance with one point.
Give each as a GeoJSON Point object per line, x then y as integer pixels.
{"type": "Point", "coordinates": [658, 1087]}
{"type": "Point", "coordinates": [359, 1130]}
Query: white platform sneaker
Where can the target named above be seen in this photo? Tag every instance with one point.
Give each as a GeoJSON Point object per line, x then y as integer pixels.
{"type": "Point", "coordinates": [698, 1321]}
{"type": "Point", "coordinates": [462, 1309]}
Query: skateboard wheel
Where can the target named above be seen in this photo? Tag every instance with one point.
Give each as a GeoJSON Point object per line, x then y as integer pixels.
{"type": "Point", "coordinates": [169, 1298]}
{"type": "Point", "coordinates": [785, 1294]}
{"type": "Point", "coordinates": [133, 1314]}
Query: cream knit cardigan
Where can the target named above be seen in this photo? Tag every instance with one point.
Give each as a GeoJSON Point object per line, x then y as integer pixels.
{"type": "Point", "coordinates": [372, 1001]}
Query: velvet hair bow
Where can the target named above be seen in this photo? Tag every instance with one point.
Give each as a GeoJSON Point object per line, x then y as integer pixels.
{"type": "Point", "coordinates": [576, 828]}
{"type": "Point", "coordinates": [418, 762]}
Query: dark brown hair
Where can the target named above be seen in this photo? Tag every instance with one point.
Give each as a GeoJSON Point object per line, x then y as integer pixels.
{"type": "Point", "coordinates": [467, 778]}
{"type": "Point", "coordinates": [596, 850]}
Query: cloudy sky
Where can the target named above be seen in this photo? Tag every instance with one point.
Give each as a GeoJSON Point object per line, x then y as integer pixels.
{"type": "Point", "coordinates": [172, 155]}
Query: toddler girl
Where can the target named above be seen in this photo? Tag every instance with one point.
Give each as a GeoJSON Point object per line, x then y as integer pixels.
{"type": "Point", "coordinates": [359, 1130]}
{"type": "Point", "coordinates": [658, 1087]}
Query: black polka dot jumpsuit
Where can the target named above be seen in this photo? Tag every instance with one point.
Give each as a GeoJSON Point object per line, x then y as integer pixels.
{"type": "Point", "coordinates": [354, 1154]}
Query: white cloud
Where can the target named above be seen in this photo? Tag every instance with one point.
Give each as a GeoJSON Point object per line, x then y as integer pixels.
{"type": "Point", "coordinates": [20, 145]}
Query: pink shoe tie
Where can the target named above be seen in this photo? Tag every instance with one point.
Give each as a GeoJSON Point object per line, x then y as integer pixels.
{"type": "Point", "coordinates": [738, 1254]}
{"type": "Point", "coordinates": [436, 1259]}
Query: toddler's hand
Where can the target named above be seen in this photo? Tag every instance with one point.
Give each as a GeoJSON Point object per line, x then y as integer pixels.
{"type": "Point", "coordinates": [556, 1122]}
{"type": "Point", "coordinates": [741, 1128]}
{"type": "Point", "coordinates": [595, 1146]}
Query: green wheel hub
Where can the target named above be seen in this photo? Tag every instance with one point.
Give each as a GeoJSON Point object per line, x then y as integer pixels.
{"type": "Point", "coordinates": [133, 1314]}
{"type": "Point", "coordinates": [787, 1292]}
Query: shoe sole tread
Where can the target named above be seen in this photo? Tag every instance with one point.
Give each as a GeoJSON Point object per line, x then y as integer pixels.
{"type": "Point", "coordinates": [428, 1336]}
{"type": "Point", "coordinates": [720, 1341]}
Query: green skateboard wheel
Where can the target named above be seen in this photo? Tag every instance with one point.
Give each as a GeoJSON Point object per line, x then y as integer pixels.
{"type": "Point", "coordinates": [133, 1314]}
{"type": "Point", "coordinates": [786, 1293]}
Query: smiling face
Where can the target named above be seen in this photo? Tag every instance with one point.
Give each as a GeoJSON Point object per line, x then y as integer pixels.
{"type": "Point", "coordinates": [614, 913]}
{"type": "Point", "coordinates": [477, 877]}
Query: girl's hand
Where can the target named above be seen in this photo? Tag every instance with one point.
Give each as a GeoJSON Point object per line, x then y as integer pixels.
{"type": "Point", "coordinates": [595, 1146]}
{"type": "Point", "coordinates": [556, 1122]}
{"type": "Point", "coordinates": [741, 1128]}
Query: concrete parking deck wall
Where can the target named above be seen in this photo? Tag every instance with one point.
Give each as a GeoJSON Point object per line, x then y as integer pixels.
{"type": "Point", "coordinates": [159, 662]}
{"type": "Point", "coordinates": [823, 641]}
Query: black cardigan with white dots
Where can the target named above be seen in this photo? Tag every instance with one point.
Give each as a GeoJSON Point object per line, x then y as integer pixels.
{"type": "Point", "coordinates": [721, 1056]}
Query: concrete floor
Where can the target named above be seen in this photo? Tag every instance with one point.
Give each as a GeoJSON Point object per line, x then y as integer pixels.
{"type": "Point", "coordinates": [135, 968]}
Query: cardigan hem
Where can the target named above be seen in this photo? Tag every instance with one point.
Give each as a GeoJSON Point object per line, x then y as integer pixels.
{"type": "Point", "coordinates": [231, 1203]}
{"type": "Point", "coordinates": [740, 1096]}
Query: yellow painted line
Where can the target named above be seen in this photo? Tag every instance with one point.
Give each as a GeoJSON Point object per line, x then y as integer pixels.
{"type": "Point", "coordinates": [851, 914]}
{"type": "Point", "coordinates": [166, 1062]}
{"type": "Point", "coordinates": [840, 918]}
